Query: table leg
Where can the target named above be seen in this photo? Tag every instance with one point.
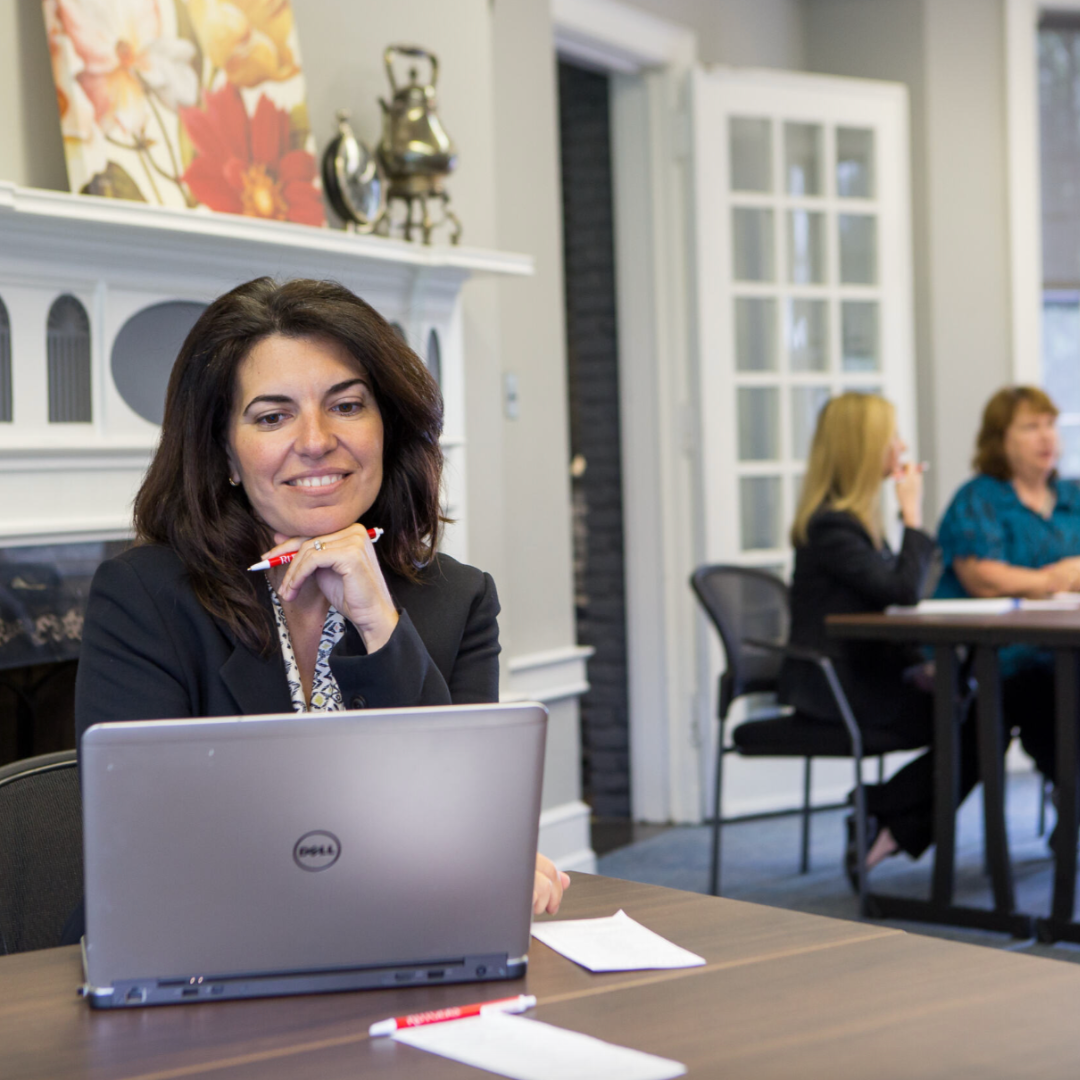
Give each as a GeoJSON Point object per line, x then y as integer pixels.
{"type": "Point", "coordinates": [1066, 682]}
{"type": "Point", "coordinates": [946, 768]}
{"type": "Point", "coordinates": [992, 773]}
{"type": "Point", "coordinates": [940, 908]}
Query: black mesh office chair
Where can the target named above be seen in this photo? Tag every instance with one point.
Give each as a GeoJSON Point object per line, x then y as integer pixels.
{"type": "Point", "coordinates": [750, 610]}
{"type": "Point", "coordinates": [41, 859]}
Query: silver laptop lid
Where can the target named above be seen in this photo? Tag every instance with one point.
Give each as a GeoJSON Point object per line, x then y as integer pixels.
{"type": "Point", "coordinates": [306, 843]}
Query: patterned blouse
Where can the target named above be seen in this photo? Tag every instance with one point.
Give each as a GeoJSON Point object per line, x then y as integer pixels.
{"type": "Point", "coordinates": [987, 520]}
{"type": "Point", "coordinates": [325, 692]}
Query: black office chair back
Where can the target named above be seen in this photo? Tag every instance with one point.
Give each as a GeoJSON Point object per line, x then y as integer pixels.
{"type": "Point", "coordinates": [744, 603]}
{"type": "Point", "coordinates": [41, 859]}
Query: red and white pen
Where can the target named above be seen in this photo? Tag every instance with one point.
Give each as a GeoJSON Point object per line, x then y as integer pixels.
{"type": "Point", "coordinates": [282, 560]}
{"type": "Point", "coordinates": [504, 1005]}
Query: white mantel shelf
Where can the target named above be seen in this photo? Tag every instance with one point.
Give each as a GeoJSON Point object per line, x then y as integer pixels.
{"type": "Point", "coordinates": [116, 223]}
{"type": "Point", "coordinates": [119, 258]}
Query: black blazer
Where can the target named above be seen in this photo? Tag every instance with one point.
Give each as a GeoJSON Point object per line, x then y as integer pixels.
{"type": "Point", "coordinates": [838, 571]}
{"type": "Point", "coordinates": [150, 650]}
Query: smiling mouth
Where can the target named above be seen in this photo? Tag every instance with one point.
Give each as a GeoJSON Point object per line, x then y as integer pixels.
{"type": "Point", "coordinates": [316, 481]}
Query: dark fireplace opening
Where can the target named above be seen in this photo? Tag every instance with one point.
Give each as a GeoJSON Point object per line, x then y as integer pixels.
{"type": "Point", "coordinates": [43, 591]}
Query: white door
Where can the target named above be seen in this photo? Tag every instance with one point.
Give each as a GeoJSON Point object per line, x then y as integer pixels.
{"type": "Point", "coordinates": [803, 290]}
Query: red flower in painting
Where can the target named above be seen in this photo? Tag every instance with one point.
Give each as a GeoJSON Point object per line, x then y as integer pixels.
{"type": "Point", "coordinates": [243, 164]}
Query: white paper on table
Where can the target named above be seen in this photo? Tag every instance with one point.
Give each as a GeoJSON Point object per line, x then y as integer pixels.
{"type": "Point", "coordinates": [531, 1050]}
{"type": "Point", "coordinates": [617, 943]}
{"type": "Point", "coordinates": [1062, 601]}
{"type": "Point", "coordinates": [993, 605]}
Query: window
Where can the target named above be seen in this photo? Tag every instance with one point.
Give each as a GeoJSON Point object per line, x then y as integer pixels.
{"type": "Point", "coordinates": [5, 366]}
{"type": "Point", "coordinates": [1059, 124]}
{"type": "Point", "coordinates": [69, 362]}
{"type": "Point", "coordinates": [803, 285]}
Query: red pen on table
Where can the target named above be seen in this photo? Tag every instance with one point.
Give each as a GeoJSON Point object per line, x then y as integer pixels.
{"type": "Point", "coordinates": [282, 560]}
{"type": "Point", "coordinates": [504, 1005]}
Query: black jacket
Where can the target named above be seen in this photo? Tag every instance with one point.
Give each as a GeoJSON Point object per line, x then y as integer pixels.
{"type": "Point", "coordinates": [838, 571]}
{"type": "Point", "coordinates": [151, 651]}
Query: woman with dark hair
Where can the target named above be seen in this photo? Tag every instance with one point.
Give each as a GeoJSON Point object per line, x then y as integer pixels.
{"type": "Point", "coordinates": [295, 420]}
{"type": "Point", "coordinates": [1014, 530]}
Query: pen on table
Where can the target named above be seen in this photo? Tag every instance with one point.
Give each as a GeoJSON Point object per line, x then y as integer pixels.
{"type": "Point", "coordinates": [503, 1005]}
{"type": "Point", "coordinates": [282, 560]}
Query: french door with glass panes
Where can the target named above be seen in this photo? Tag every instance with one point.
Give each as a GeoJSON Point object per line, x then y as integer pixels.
{"type": "Point", "coordinates": [803, 284]}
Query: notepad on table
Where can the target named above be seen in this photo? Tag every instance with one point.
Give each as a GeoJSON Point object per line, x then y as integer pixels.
{"type": "Point", "coordinates": [532, 1050]}
{"type": "Point", "coordinates": [617, 943]}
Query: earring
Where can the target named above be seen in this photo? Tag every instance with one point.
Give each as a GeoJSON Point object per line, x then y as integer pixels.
{"type": "Point", "coordinates": [234, 483]}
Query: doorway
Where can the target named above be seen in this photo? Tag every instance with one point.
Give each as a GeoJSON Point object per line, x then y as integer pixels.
{"type": "Point", "coordinates": [595, 441]}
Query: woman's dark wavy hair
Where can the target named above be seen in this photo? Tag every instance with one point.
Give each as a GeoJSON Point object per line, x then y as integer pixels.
{"type": "Point", "coordinates": [186, 501]}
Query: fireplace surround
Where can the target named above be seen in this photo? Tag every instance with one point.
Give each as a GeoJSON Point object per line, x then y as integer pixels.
{"type": "Point", "coordinates": [95, 297]}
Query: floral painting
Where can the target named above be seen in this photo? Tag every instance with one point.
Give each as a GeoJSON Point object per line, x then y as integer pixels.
{"type": "Point", "coordinates": [185, 103]}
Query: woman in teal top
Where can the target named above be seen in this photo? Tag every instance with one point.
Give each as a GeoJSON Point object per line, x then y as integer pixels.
{"type": "Point", "coordinates": [1014, 530]}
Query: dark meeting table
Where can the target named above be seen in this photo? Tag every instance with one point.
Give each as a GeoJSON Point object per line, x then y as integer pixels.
{"type": "Point", "coordinates": [983, 633]}
{"type": "Point", "coordinates": [781, 994]}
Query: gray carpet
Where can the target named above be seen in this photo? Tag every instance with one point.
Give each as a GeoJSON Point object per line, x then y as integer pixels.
{"type": "Point", "coordinates": [761, 863]}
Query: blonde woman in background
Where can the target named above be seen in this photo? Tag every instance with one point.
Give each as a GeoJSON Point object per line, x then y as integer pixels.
{"type": "Point", "coordinates": [844, 566]}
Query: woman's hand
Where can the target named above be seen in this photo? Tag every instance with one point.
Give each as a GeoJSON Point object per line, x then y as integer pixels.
{"type": "Point", "coordinates": [1064, 575]}
{"type": "Point", "coordinates": [549, 886]}
{"type": "Point", "coordinates": [347, 572]}
{"type": "Point", "coordinates": [909, 493]}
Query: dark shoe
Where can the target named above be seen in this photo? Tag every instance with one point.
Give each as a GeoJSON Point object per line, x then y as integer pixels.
{"type": "Point", "coordinates": [851, 851]}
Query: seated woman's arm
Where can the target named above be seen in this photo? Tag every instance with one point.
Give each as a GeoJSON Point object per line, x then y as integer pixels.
{"type": "Point", "coordinates": [402, 673]}
{"type": "Point", "coordinates": [992, 577]}
{"type": "Point", "coordinates": [844, 546]}
{"type": "Point", "coordinates": [982, 552]}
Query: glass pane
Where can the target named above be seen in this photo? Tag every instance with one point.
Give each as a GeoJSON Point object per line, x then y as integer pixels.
{"type": "Point", "coordinates": [68, 350]}
{"type": "Point", "coordinates": [1061, 350]}
{"type": "Point", "coordinates": [755, 334]}
{"type": "Point", "coordinates": [759, 423]}
{"type": "Point", "coordinates": [1069, 464]}
{"type": "Point", "coordinates": [760, 512]}
{"type": "Point", "coordinates": [806, 403]}
{"type": "Point", "coordinates": [5, 365]}
{"type": "Point", "coordinates": [859, 336]}
{"type": "Point", "coordinates": [858, 249]}
{"type": "Point", "coordinates": [434, 356]}
{"type": "Point", "coordinates": [808, 335]}
{"type": "Point", "coordinates": [802, 158]}
{"type": "Point", "coordinates": [752, 233]}
{"type": "Point", "coordinates": [855, 163]}
{"type": "Point", "coordinates": [861, 388]}
{"type": "Point", "coordinates": [750, 145]}
{"type": "Point", "coordinates": [806, 248]}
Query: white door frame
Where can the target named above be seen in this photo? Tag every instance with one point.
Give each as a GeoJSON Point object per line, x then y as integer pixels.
{"type": "Point", "coordinates": [648, 59]}
{"type": "Point", "coordinates": [1025, 201]}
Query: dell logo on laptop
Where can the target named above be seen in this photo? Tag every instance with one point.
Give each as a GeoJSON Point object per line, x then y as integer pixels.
{"type": "Point", "coordinates": [316, 850]}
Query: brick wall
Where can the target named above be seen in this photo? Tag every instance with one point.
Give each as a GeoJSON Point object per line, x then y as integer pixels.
{"type": "Point", "coordinates": [593, 381]}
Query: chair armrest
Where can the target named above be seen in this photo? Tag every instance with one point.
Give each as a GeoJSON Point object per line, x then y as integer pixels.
{"type": "Point", "coordinates": [820, 660]}
{"type": "Point", "coordinates": [796, 652]}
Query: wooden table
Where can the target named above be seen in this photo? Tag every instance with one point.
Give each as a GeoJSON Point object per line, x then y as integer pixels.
{"type": "Point", "coordinates": [1055, 630]}
{"type": "Point", "coordinates": [782, 994]}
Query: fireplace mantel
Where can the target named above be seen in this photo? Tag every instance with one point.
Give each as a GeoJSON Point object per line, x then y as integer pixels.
{"type": "Point", "coordinates": [66, 481]}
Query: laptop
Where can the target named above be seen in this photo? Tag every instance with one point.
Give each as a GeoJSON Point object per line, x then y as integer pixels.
{"type": "Point", "coordinates": [307, 853]}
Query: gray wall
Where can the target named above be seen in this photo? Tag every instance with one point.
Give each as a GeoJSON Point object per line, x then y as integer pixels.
{"type": "Point", "coordinates": [951, 56]}
{"type": "Point", "coordinates": [750, 33]}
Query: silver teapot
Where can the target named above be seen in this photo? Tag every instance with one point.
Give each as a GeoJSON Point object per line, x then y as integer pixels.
{"type": "Point", "coordinates": [415, 151]}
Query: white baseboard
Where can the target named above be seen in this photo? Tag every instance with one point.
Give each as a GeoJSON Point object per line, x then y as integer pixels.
{"type": "Point", "coordinates": [564, 837]}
